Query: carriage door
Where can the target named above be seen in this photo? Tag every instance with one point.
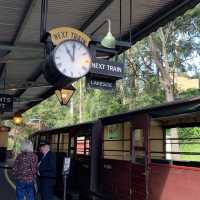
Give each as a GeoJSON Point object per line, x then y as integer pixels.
{"type": "Point", "coordinates": [140, 158]}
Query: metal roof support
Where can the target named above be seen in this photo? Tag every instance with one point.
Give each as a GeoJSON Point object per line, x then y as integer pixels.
{"type": "Point", "coordinates": [43, 21]}
{"type": "Point", "coordinates": [24, 19]}
{"type": "Point", "coordinates": [105, 4]}
{"type": "Point", "coordinates": [22, 47]}
{"type": "Point", "coordinates": [32, 78]}
{"type": "Point", "coordinates": [43, 96]}
{"type": "Point", "coordinates": [2, 68]}
{"type": "Point", "coordinates": [21, 26]}
{"type": "Point", "coordinates": [83, 27]}
{"type": "Point", "coordinates": [38, 71]}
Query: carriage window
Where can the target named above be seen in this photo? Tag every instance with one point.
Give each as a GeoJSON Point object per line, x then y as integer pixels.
{"type": "Point", "coordinates": [138, 152]}
{"type": "Point", "coordinates": [116, 143]}
{"type": "Point", "coordinates": [72, 142]}
{"type": "Point", "coordinates": [83, 145]}
{"type": "Point", "coordinates": [53, 140]}
{"type": "Point", "coordinates": [64, 142]}
{"type": "Point", "coordinates": [177, 144]}
{"type": "Point", "coordinates": [36, 143]}
{"type": "Point", "coordinates": [138, 137]}
{"type": "Point", "coordinates": [80, 145]}
{"type": "Point", "coordinates": [72, 147]}
{"type": "Point", "coordinates": [43, 137]}
{"type": "Point", "coordinates": [87, 147]}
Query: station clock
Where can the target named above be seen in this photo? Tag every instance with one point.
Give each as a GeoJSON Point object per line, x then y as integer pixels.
{"type": "Point", "coordinates": [69, 61]}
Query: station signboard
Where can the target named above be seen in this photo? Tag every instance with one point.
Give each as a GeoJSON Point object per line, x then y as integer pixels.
{"type": "Point", "coordinates": [107, 68]}
{"type": "Point", "coordinates": [102, 73]}
{"type": "Point", "coordinates": [102, 84]}
{"type": "Point", "coordinates": [61, 34]}
{"type": "Point", "coordinates": [6, 103]}
{"type": "Point", "coordinates": [66, 165]}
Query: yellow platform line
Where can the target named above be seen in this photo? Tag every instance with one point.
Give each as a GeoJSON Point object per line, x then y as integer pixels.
{"type": "Point", "coordinates": [8, 179]}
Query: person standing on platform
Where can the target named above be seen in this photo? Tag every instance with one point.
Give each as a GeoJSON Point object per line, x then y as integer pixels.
{"type": "Point", "coordinates": [46, 172]}
{"type": "Point", "coordinates": [25, 171]}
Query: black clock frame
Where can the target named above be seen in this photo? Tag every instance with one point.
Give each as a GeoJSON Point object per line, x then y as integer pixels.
{"type": "Point", "coordinates": [53, 75]}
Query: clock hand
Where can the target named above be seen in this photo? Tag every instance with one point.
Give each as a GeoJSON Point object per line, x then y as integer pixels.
{"type": "Point", "coordinates": [73, 55]}
{"type": "Point", "coordinates": [69, 53]}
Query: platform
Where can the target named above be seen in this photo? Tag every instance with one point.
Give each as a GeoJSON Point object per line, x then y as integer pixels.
{"type": "Point", "coordinates": [7, 182]}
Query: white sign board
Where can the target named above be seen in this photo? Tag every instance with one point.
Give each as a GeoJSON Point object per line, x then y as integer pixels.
{"type": "Point", "coordinates": [66, 165]}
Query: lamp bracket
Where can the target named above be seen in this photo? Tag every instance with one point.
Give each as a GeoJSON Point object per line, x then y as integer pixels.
{"type": "Point", "coordinates": [99, 51]}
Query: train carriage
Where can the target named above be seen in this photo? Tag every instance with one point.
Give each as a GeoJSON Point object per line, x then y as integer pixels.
{"type": "Point", "coordinates": [127, 156]}
{"type": "Point", "coordinates": [74, 142]}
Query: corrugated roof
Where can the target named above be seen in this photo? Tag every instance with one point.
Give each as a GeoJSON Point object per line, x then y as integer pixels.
{"type": "Point", "coordinates": [113, 12]}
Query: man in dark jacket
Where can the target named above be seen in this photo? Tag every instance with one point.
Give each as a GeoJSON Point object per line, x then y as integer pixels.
{"type": "Point", "coordinates": [46, 172]}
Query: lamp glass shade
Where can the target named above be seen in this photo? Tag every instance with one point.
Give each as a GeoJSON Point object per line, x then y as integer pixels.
{"type": "Point", "coordinates": [64, 95]}
{"type": "Point", "coordinates": [17, 119]}
{"type": "Point", "coordinates": [108, 41]}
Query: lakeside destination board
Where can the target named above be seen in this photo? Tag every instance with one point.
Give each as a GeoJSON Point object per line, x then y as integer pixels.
{"type": "Point", "coordinates": [93, 82]}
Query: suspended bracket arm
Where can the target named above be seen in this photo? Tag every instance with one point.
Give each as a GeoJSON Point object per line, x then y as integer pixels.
{"type": "Point", "coordinates": [44, 35]}
{"type": "Point", "coordinates": [43, 22]}
{"type": "Point", "coordinates": [99, 27]}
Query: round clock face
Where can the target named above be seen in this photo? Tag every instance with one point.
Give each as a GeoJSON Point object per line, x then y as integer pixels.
{"type": "Point", "coordinates": [72, 59]}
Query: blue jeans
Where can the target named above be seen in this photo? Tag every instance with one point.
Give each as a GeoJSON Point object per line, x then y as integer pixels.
{"type": "Point", "coordinates": [24, 189]}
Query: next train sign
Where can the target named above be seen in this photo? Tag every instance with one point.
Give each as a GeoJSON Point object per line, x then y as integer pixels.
{"type": "Point", "coordinates": [107, 68]}
{"type": "Point", "coordinates": [6, 103]}
{"type": "Point", "coordinates": [104, 73]}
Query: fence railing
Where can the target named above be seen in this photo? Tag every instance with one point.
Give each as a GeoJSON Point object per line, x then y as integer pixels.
{"type": "Point", "coordinates": [184, 147]}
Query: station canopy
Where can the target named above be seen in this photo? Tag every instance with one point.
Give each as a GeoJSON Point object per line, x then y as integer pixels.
{"type": "Point", "coordinates": [21, 52]}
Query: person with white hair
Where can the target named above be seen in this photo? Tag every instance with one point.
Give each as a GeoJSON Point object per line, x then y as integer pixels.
{"type": "Point", "coordinates": [25, 171]}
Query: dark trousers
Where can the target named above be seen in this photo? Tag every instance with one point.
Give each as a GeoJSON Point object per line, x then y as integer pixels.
{"type": "Point", "coordinates": [46, 188]}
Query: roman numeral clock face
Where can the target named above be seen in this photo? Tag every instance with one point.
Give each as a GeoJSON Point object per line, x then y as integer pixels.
{"type": "Point", "coordinates": [72, 59]}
